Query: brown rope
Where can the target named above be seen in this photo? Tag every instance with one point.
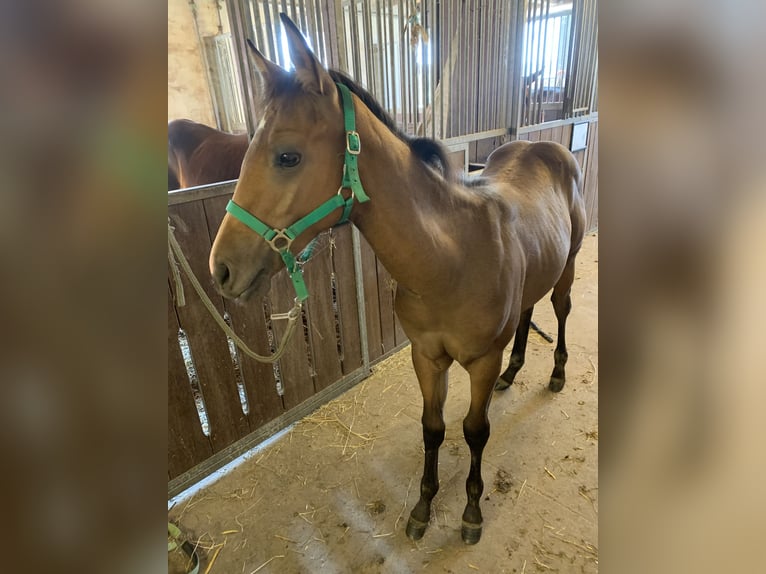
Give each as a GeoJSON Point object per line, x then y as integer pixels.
{"type": "Point", "coordinates": [176, 257]}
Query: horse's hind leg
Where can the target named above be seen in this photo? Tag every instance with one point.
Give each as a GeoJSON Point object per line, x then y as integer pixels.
{"type": "Point", "coordinates": [518, 352]}
{"type": "Point", "coordinates": [562, 304]}
{"type": "Point", "coordinates": [432, 376]}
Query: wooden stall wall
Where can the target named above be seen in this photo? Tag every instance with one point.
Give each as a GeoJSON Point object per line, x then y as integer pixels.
{"type": "Point", "coordinates": [245, 401]}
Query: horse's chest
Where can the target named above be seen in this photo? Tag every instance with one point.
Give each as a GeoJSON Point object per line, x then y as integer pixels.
{"type": "Point", "coordinates": [459, 326]}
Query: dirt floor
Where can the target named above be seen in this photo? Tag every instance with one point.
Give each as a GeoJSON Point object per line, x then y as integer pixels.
{"type": "Point", "coordinates": [334, 494]}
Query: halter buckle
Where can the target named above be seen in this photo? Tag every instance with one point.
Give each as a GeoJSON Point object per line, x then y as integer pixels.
{"type": "Point", "coordinates": [353, 143]}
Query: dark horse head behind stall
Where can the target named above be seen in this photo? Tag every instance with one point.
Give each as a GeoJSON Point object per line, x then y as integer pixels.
{"type": "Point", "coordinates": [471, 258]}
{"type": "Point", "coordinates": [200, 155]}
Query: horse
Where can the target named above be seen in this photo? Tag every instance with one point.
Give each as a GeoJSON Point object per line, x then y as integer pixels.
{"type": "Point", "coordinates": [471, 256]}
{"type": "Point", "coordinates": [199, 154]}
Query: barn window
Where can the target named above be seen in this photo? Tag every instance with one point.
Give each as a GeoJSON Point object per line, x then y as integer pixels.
{"type": "Point", "coordinates": [559, 60]}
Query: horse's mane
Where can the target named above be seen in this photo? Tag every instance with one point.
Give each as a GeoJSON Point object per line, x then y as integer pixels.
{"type": "Point", "coordinates": [428, 150]}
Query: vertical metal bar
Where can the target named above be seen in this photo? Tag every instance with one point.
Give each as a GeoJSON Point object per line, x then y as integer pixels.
{"type": "Point", "coordinates": [360, 298]}
{"type": "Point", "coordinates": [582, 80]}
{"type": "Point", "coordinates": [574, 52]}
{"type": "Point", "coordinates": [464, 55]}
{"type": "Point", "coordinates": [517, 54]}
{"type": "Point", "coordinates": [528, 37]}
{"type": "Point", "coordinates": [268, 48]}
{"type": "Point", "coordinates": [388, 32]}
{"type": "Point", "coordinates": [402, 41]}
{"type": "Point", "coordinates": [471, 43]}
{"type": "Point", "coordinates": [434, 59]}
{"type": "Point", "coordinates": [484, 64]}
{"type": "Point", "coordinates": [422, 72]}
{"type": "Point", "coordinates": [239, 31]}
{"type": "Point", "coordinates": [490, 72]}
{"type": "Point", "coordinates": [257, 23]}
{"type": "Point", "coordinates": [541, 85]}
{"type": "Point", "coordinates": [381, 94]}
{"type": "Point", "coordinates": [308, 18]}
{"type": "Point", "coordinates": [445, 49]}
{"type": "Point", "coordinates": [336, 34]}
{"type": "Point", "coordinates": [577, 60]}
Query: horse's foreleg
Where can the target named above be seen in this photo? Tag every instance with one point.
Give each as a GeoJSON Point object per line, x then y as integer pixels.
{"type": "Point", "coordinates": [518, 353]}
{"type": "Point", "coordinates": [432, 376]}
{"type": "Point", "coordinates": [562, 304]}
{"type": "Point", "coordinates": [483, 372]}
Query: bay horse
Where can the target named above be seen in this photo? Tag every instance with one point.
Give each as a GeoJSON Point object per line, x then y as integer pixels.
{"type": "Point", "coordinates": [471, 257]}
{"type": "Point", "coordinates": [199, 154]}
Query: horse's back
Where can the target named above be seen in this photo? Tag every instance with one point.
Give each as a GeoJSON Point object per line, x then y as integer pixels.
{"type": "Point", "coordinates": [540, 178]}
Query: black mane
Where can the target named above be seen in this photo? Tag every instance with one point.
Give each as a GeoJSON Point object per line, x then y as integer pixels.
{"type": "Point", "coordinates": [427, 150]}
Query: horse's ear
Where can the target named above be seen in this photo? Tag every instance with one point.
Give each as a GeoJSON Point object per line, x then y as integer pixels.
{"type": "Point", "coordinates": [267, 70]}
{"type": "Point", "coordinates": [308, 69]}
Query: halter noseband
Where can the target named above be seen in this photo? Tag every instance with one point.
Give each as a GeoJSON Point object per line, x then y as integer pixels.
{"type": "Point", "coordinates": [281, 239]}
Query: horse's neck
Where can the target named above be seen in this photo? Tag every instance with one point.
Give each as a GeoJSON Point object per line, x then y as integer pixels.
{"type": "Point", "coordinates": [409, 220]}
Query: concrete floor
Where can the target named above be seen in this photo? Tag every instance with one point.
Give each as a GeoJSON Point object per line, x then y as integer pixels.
{"type": "Point", "coordinates": [334, 494]}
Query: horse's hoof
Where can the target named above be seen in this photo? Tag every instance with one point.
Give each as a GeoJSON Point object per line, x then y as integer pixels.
{"type": "Point", "coordinates": [415, 529]}
{"type": "Point", "coordinates": [502, 384]}
{"type": "Point", "coordinates": [556, 384]}
{"type": "Point", "coordinates": [471, 532]}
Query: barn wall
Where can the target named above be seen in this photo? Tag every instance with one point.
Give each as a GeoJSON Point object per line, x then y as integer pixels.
{"type": "Point", "coordinates": [188, 91]}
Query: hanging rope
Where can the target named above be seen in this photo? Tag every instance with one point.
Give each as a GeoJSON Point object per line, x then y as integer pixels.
{"type": "Point", "coordinates": [176, 258]}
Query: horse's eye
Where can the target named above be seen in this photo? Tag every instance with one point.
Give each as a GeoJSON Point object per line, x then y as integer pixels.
{"type": "Point", "coordinates": [289, 159]}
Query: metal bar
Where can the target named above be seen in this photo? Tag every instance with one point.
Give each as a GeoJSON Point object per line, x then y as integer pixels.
{"type": "Point", "coordinates": [472, 119]}
{"type": "Point", "coordinates": [541, 84]}
{"type": "Point", "coordinates": [404, 86]}
{"type": "Point", "coordinates": [424, 69]}
{"type": "Point", "coordinates": [445, 52]}
{"type": "Point", "coordinates": [267, 49]}
{"type": "Point", "coordinates": [593, 117]}
{"type": "Point", "coordinates": [528, 35]}
{"type": "Point", "coordinates": [360, 298]}
{"type": "Point", "coordinates": [309, 19]}
{"type": "Point", "coordinates": [483, 68]}
{"type": "Point", "coordinates": [382, 68]}
{"type": "Point", "coordinates": [237, 24]}
{"type": "Point", "coordinates": [339, 38]}
{"type": "Point", "coordinates": [467, 138]}
{"type": "Point", "coordinates": [257, 23]}
{"type": "Point", "coordinates": [391, 59]}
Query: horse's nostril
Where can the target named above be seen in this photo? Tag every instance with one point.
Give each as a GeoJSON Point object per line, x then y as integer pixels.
{"type": "Point", "coordinates": [221, 274]}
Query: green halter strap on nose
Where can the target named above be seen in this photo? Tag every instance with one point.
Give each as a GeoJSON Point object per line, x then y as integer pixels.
{"type": "Point", "coordinates": [281, 239]}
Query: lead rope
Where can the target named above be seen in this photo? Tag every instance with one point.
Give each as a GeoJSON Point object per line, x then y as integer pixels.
{"type": "Point", "coordinates": [176, 257]}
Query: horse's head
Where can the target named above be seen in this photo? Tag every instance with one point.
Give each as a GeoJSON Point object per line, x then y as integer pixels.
{"type": "Point", "coordinates": [293, 164]}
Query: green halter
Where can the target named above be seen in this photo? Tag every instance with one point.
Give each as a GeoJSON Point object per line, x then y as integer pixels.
{"type": "Point", "coordinates": [281, 239]}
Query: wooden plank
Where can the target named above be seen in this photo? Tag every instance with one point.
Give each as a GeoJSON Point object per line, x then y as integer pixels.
{"type": "Point", "coordinates": [249, 322]}
{"type": "Point", "coordinates": [371, 298]}
{"type": "Point", "coordinates": [566, 135]}
{"type": "Point", "coordinates": [294, 365]}
{"type": "Point", "coordinates": [386, 286]}
{"type": "Point", "coordinates": [534, 136]}
{"type": "Point", "coordinates": [345, 286]}
{"type": "Point", "coordinates": [323, 337]}
{"type": "Point", "coordinates": [556, 135]}
{"type": "Point", "coordinates": [187, 444]}
{"type": "Point", "coordinates": [206, 341]}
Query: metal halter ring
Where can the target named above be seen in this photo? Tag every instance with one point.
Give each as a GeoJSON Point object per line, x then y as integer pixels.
{"type": "Point", "coordinates": [280, 234]}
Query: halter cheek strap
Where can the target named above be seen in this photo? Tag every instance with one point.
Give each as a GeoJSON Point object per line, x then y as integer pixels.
{"type": "Point", "coordinates": [280, 240]}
